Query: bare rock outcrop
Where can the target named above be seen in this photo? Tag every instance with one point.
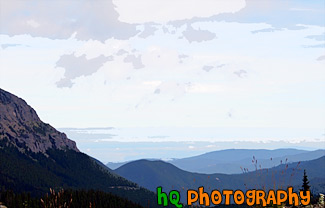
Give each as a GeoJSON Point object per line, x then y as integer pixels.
{"type": "Point", "coordinates": [20, 124]}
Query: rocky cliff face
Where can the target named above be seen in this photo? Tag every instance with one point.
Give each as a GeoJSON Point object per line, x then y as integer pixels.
{"type": "Point", "coordinates": [20, 124]}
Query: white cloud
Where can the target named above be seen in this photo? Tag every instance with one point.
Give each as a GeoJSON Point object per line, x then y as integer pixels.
{"type": "Point", "coordinates": [261, 75]}
{"type": "Point", "coordinates": [141, 11]}
{"type": "Point", "coordinates": [193, 63]}
{"type": "Point", "coordinates": [135, 60]}
{"type": "Point", "coordinates": [198, 35]}
{"type": "Point", "coordinates": [79, 66]}
{"type": "Point", "coordinates": [152, 83]}
{"type": "Point", "coordinates": [207, 88]}
{"type": "Point", "coordinates": [61, 19]}
{"type": "Point", "coordinates": [33, 23]}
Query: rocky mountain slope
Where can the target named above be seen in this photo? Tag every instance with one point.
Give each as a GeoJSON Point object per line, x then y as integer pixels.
{"type": "Point", "coordinates": [22, 127]}
{"type": "Point", "coordinates": [35, 157]}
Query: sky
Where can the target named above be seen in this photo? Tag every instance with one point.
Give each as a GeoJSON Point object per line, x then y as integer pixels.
{"type": "Point", "coordinates": [239, 64]}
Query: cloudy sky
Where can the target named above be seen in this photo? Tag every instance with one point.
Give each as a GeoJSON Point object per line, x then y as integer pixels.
{"type": "Point", "coordinates": [168, 63]}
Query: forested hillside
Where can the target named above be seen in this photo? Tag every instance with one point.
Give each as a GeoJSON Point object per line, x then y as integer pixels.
{"type": "Point", "coordinates": [35, 157]}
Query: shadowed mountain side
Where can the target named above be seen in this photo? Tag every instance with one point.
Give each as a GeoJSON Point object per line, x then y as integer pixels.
{"type": "Point", "coordinates": [152, 174]}
{"type": "Point", "coordinates": [288, 175]}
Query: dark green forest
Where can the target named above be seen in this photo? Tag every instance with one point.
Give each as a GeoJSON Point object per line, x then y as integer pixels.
{"type": "Point", "coordinates": [36, 173]}
{"type": "Point", "coordinates": [67, 198]}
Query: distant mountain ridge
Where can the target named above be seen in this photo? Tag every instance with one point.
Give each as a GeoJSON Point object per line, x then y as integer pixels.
{"type": "Point", "coordinates": [22, 127]}
{"type": "Point", "coordinates": [151, 174]}
{"type": "Point", "coordinates": [232, 161]}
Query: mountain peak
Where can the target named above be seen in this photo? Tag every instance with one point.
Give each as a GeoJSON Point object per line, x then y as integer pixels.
{"type": "Point", "coordinates": [20, 124]}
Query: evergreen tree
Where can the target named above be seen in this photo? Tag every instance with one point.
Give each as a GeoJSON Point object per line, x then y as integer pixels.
{"type": "Point", "coordinates": [305, 184]}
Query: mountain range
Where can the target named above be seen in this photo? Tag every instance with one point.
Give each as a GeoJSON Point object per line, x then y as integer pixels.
{"type": "Point", "coordinates": [233, 161]}
{"type": "Point", "coordinates": [151, 174]}
{"type": "Point", "coordinates": [35, 157]}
